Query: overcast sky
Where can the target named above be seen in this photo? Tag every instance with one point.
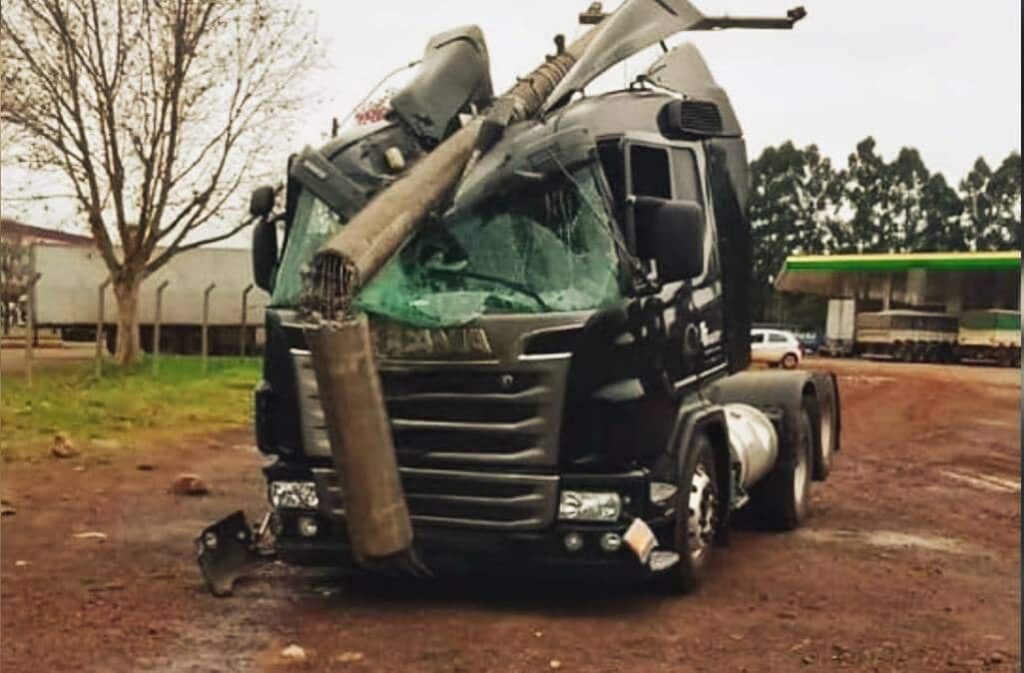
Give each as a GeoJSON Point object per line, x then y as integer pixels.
{"type": "Point", "coordinates": [943, 77]}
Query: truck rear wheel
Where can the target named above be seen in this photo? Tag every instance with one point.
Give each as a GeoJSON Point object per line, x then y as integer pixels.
{"type": "Point", "coordinates": [828, 425]}
{"type": "Point", "coordinates": [697, 519]}
{"type": "Point", "coordinates": [782, 499]}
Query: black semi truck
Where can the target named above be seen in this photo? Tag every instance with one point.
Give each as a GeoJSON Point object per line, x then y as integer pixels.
{"type": "Point", "coordinates": [562, 349]}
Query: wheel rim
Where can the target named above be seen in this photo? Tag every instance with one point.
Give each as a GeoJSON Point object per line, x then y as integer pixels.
{"type": "Point", "coordinates": [700, 528]}
{"type": "Point", "coordinates": [800, 477]}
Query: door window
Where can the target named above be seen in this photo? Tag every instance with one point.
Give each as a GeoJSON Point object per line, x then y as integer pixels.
{"type": "Point", "coordinates": [648, 167]}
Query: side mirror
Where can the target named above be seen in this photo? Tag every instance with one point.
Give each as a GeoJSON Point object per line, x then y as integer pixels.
{"type": "Point", "coordinates": [264, 252]}
{"type": "Point", "coordinates": [262, 201]}
{"type": "Point", "coordinates": [672, 234]}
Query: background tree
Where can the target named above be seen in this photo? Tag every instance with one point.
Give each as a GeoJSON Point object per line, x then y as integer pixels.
{"type": "Point", "coordinates": [154, 112]}
{"type": "Point", "coordinates": [866, 190]}
{"type": "Point", "coordinates": [794, 202]}
{"type": "Point", "coordinates": [941, 208]}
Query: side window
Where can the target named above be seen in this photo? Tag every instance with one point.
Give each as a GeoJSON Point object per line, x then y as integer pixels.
{"type": "Point", "coordinates": [686, 177]}
{"type": "Point", "coordinates": [777, 338]}
{"type": "Point", "coordinates": [756, 339]}
{"type": "Point", "coordinates": [650, 172]}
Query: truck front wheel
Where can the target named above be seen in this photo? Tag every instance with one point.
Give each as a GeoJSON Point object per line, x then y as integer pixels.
{"type": "Point", "coordinates": [697, 518]}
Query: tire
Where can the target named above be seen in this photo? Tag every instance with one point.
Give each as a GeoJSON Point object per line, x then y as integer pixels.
{"type": "Point", "coordinates": [694, 535]}
{"type": "Point", "coordinates": [828, 426]}
{"type": "Point", "coordinates": [783, 498]}
{"type": "Point", "coordinates": [789, 361]}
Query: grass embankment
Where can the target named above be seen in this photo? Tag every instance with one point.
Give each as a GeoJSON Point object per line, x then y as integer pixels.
{"type": "Point", "coordinates": [125, 406]}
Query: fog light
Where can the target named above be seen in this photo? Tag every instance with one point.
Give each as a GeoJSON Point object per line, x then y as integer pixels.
{"type": "Point", "coordinates": [307, 526]}
{"type": "Point", "coordinates": [611, 542]}
{"type": "Point", "coordinates": [585, 506]}
{"type": "Point", "coordinates": [210, 540]}
{"type": "Point", "coordinates": [573, 541]}
{"type": "Point", "coordinates": [293, 495]}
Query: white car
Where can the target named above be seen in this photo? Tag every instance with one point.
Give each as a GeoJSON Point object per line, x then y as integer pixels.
{"type": "Point", "coordinates": [775, 347]}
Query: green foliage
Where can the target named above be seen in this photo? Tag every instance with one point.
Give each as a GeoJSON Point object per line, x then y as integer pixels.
{"type": "Point", "coordinates": [800, 204]}
{"type": "Point", "coordinates": [992, 204]}
{"type": "Point", "coordinates": [128, 404]}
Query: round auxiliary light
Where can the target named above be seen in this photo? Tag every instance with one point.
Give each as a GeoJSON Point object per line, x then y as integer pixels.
{"type": "Point", "coordinates": [573, 541]}
{"type": "Point", "coordinates": [611, 542]}
{"type": "Point", "coordinates": [307, 526]}
{"type": "Point", "coordinates": [210, 540]}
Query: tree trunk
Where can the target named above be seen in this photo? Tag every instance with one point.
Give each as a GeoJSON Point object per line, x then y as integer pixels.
{"type": "Point", "coordinates": [129, 345]}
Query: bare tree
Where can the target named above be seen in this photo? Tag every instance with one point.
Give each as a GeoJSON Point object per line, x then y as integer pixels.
{"type": "Point", "coordinates": [155, 111]}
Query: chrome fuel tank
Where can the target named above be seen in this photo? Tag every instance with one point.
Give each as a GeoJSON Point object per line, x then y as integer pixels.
{"type": "Point", "coordinates": [753, 442]}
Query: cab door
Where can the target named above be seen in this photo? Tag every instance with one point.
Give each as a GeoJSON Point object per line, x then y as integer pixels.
{"type": "Point", "coordinates": [693, 314]}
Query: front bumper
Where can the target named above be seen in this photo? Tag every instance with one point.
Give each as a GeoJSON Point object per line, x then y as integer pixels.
{"type": "Point", "coordinates": [460, 547]}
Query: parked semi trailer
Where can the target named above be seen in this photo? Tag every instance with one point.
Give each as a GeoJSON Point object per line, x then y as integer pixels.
{"type": "Point", "coordinates": [992, 335]}
{"type": "Point", "coordinates": [911, 336]}
{"type": "Point", "coordinates": [562, 349]}
{"type": "Point", "coordinates": [67, 298]}
{"type": "Point", "coordinates": [988, 335]}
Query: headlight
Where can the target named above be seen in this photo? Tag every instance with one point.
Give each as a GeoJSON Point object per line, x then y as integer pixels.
{"type": "Point", "coordinates": [583, 506]}
{"type": "Point", "coordinates": [293, 495]}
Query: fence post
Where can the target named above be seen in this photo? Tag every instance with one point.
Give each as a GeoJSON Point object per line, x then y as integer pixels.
{"type": "Point", "coordinates": [30, 328]}
{"type": "Point", "coordinates": [156, 326]}
{"type": "Point", "coordinates": [206, 324]}
{"type": "Point", "coordinates": [242, 335]}
{"type": "Point", "coordinates": [99, 329]}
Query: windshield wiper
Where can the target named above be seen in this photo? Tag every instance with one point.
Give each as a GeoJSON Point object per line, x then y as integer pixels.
{"type": "Point", "coordinates": [514, 285]}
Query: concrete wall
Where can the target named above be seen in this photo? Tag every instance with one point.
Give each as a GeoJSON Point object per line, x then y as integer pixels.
{"type": "Point", "coordinates": [67, 291]}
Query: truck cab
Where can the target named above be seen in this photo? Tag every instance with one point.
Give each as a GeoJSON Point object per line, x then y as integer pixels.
{"type": "Point", "coordinates": [561, 349]}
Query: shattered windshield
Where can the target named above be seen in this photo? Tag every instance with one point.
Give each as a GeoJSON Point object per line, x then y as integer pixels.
{"type": "Point", "coordinates": [547, 245]}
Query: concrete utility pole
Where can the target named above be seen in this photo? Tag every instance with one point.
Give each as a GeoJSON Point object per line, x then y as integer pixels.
{"type": "Point", "coordinates": [156, 325]}
{"type": "Point", "coordinates": [30, 335]}
{"type": "Point", "coordinates": [206, 325]}
{"type": "Point", "coordinates": [99, 327]}
{"type": "Point", "coordinates": [242, 337]}
{"type": "Point", "coordinates": [343, 361]}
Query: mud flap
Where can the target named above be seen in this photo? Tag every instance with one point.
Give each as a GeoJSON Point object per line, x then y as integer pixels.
{"type": "Point", "coordinates": [226, 550]}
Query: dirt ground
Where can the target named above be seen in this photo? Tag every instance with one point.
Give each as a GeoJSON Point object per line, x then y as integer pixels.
{"type": "Point", "coordinates": [910, 562]}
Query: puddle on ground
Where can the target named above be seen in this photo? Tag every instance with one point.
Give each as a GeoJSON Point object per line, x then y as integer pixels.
{"type": "Point", "coordinates": [889, 539]}
{"type": "Point", "coordinates": [998, 422]}
{"type": "Point", "coordinates": [865, 379]}
{"type": "Point", "coordinates": [986, 482]}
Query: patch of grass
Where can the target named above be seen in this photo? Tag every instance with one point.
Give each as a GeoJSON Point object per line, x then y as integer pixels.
{"type": "Point", "coordinates": [126, 404]}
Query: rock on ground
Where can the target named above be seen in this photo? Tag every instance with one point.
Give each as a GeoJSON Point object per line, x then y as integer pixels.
{"type": "Point", "coordinates": [189, 484]}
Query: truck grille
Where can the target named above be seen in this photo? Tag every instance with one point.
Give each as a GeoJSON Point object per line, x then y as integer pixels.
{"type": "Point", "coordinates": [465, 435]}
{"type": "Point", "coordinates": [460, 498]}
{"type": "Point", "coordinates": [478, 418]}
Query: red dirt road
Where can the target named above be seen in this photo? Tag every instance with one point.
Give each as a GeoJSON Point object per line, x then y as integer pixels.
{"type": "Point", "coordinates": [910, 562]}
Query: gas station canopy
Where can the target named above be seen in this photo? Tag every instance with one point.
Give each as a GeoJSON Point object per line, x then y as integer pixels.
{"type": "Point", "coordinates": [956, 280]}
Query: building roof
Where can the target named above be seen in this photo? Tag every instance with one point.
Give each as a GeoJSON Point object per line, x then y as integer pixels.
{"type": "Point", "coordinates": [13, 229]}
